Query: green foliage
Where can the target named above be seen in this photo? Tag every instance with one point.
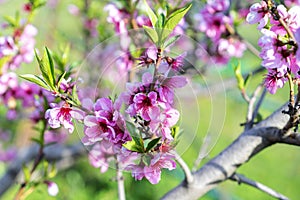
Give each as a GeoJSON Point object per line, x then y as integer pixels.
{"type": "Point", "coordinates": [152, 144]}
{"type": "Point", "coordinates": [239, 77]}
{"type": "Point", "coordinates": [137, 143]}
{"type": "Point", "coordinates": [35, 79]}
{"type": "Point", "coordinates": [163, 27]}
{"type": "Point", "coordinates": [151, 33]}
{"type": "Point", "coordinates": [150, 13]}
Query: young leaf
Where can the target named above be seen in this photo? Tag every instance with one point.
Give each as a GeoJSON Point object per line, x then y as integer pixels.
{"type": "Point", "coordinates": [150, 13]}
{"type": "Point", "coordinates": [171, 41]}
{"type": "Point", "coordinates": [75, 95]}
{"type": "Point", "coordinates": [35, 79]}
{"type": "Point", "coordinates": [26, 173]}
{"type": "Point", "coordinates": [238, 76]}
{"type": "Point", "coordinates": [133, 146]}
{"type": "Point", "coordinates": [152, 144]}
{"type": "Point", "coordinates": [51, 64]}
{"type": "Point", "coordinates": [60, 78]}
{"type": "Point", "coordinates": [175, 18]}
{"type": "Point", "coordinates": [151, 33]}
{"type": "Point", "coordinates": [134, 135]}
{"type": "Point", "coordinates": [45, 71]}
{"type": "Point", "coordinates": [161, 21]}
{"type": "Point", "coordinates": [36, 140]}
{"type": "Point", "coordinates": [11, 21]}
{"type": "Point", "coordinates": [175, 132]}
{"type": "Point", "coordinates": [65, 55]}
{"type": "Point", "coordinates": [52, 173]}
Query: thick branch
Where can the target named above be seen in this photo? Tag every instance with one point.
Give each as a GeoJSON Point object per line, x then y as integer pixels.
{"type": "Point", "coordinates": [224, 165]}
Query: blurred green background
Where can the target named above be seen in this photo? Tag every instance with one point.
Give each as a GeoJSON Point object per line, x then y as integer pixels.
{"type": "Point", "coordinates": [218, 114]}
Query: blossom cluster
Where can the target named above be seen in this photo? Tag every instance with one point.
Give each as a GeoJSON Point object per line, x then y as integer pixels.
{"type": "Point", "coordinates": [123, 21]}
{"type": "Point", "coordinates": [279, 42]}
{"type": "Point", "coordinates": [19, 48]}
{"type": "Point", "coordinates": [145, 149]}
{"type": "Point", "coordinates": [215, 21]}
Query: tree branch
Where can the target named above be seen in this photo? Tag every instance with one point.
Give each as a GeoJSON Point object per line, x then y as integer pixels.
{"type": "Point", "coordinates": [239, 178]}
{"type": "Point", "coordinates": [188, 174]}
{"type": "Point", "coordinates": [224, 165]}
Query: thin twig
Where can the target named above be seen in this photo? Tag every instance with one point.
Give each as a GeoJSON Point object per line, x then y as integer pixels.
{"type": "Point", "coordinates": [188, 174]}
{"type": "Point", "coordinates": [255, 112]}
{"type": "Point", "coordinates": [249, 119]}
{"type": "Point", "coordinates": [242, 179]}
{"type": "Point", "coordinates": [120, 180]}
{"type": "Point", "coordinates": [202, 152]}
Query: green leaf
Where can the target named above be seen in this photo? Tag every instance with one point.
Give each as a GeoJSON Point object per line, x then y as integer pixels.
{"type": "Point", "coordinates": [11, 21]}
{"type": "Point", "coordinates": [161, 21]}
{"type": "Point", "coordinates": [4, 60]}
{"type": "Point", "coordinates": [65, 55]}
{"type": "Point", "coordinates": [60, 78]}
{"type": "Point", "coordinates": [171, 40]}
{"type": "Point", "coordinates": [35, 79]}
{"type": "Point", "coordinates": [45, 71]}
{"type": "Point", "coordinates": [133, 146]}
{"type": "Point", "coordinates": [238, 76]}
{"type": "Point", "coordinates": [36, 140]}
{"type": "Point", "coordinates": [175, 132]}
{"type": "Point", "coordinates": [175, 17]}
{"type": "Point", "coordinates": [75, 96]}
{"type": "Point", "coordinates": [52, 172]}
{"type": "Point", "coordinates": [150, 13]}
{"type": "Point", "coordinates": [151, 33]}
{"type": "Point", "coordinates": [134, 135]}
{"type": "Point", "coordinates": [26, 173]}
{"type": "Point", "coordinates": [50, 64]}
{"type": "Point", "coordinates": [152, 144]}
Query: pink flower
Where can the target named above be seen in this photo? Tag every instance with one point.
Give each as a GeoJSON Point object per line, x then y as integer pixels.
{"type": "Point", "coordinates": [8, 80]}
{"type": "Point", "coordinates": [213, 25]}
{"type": "Point", "coordinates": [146, 105]}
{"type": "Point", "coordinates": [7, 46]}
{"type": "Point", "coordinates": [8, 154]}
{"type": "Point", "coordinates": [64, 115]}
{"type": "Point", "coordinates": [91, 26]}
{"type": "Point", "coordinates": [52, 188]}
{"type": "Point", "coordinates": [258, 13]}
{"type": "Point", "coordinates": [162, 124]}
{"type": "Point", "coordinates": [291, 18]}
{"type": "Point", "coordinates": [231, 47]}
{"type": "Point", "coordinates": [101, 154]}
{"type": "Point", "coordinates": [117, 17]}
{"type": "Point", "coordinates": [217, 5]}
{"type": "Point", "coordinates": [107, 123]}
{"type": "Point", "coordinates": [152, 172]}
{"type": "Point", "coordinates": [55, 136]}
{"type": "Point", "coordinates": [73, 9]}
{"type": "Point", "coordinates": [297, 37]}
{"type": "Point", "coordinates": [26, 43]}
{"type": "Point", "coordinates": [148, 57]}
{"type": "Point", "coordinates": [176, 64]}
{"type": "Point", "coordinates": [274, 80]}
